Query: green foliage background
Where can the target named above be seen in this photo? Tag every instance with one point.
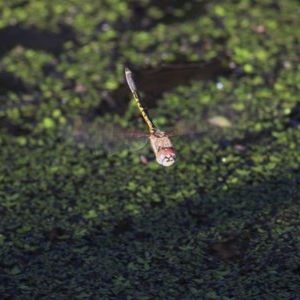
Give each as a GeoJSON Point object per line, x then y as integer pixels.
{"type": "Point", "coordinates": [221, 223]}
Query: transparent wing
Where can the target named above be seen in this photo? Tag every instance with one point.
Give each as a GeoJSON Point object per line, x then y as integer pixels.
{"type": "Point", "coordinates": [109, 138]}
{"type": "Point", "coordinates": [98, 135]}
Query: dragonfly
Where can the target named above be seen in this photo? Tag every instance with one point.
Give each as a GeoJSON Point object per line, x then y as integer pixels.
{"type": "Point", "coordinates": [112, 138]}
{"type": "Point", "coordinates": [160, 142]}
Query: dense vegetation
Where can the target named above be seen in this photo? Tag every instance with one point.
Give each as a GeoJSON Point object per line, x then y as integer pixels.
{"type": "Point", "coordinates": [82, 217]}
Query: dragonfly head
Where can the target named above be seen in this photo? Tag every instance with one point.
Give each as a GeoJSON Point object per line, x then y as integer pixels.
{"type": "Point", "coordinates": [166, 156]}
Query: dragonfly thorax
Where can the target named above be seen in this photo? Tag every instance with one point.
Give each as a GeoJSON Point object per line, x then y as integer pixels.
{"type": "Point", "coordinates": [163, 149]}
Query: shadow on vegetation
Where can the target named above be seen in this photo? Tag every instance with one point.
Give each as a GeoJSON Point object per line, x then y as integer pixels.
{"type": "Point", "coordinates": [210, 242]}
{"type": "Point", "coordinates": [31, 38]}
{"type": "Point", "coordinates": [173, 12]}
{"type": "Point", "coordinates": [36, 39]}
{"type": "Point", "coordinates": [163, 79]}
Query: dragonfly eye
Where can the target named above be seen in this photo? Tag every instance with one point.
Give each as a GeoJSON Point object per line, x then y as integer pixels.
{"type": "Point", "coordinates": [166, 157]}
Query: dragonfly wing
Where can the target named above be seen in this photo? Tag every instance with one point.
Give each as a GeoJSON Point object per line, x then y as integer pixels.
{"type": "Point", "coordinates": [119, 139]}
{"type": "Point", "coordinates": [213, 124]}
{"type": "Point", "coordinates": [104, 137]}
{"type": "Point", "coordinates": [138, 141]}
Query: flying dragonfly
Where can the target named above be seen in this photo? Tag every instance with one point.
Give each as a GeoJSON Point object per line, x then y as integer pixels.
{"type": "Point", "coordinates": [112, 138]}
{"type": "Point", "coordinates": [160, 142]}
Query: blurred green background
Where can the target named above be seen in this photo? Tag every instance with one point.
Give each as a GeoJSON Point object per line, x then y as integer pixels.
{"type": "Point", "coordinates": [83, 220]}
